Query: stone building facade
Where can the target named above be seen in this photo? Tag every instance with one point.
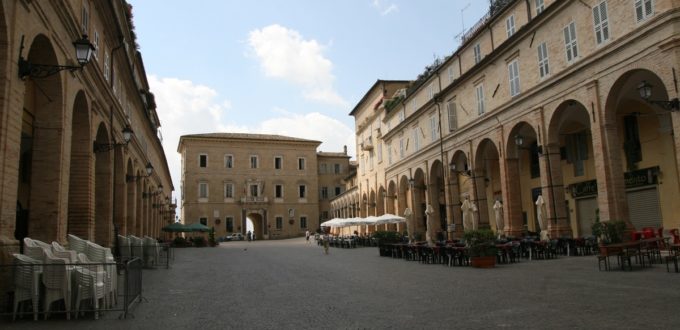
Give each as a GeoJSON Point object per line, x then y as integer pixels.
{"type": "Point", "coordinates": [541, 98]}
{"type": "Point", "coordinates": [64, 166]}
{"type": "Point", "coordinates": [275, 181]}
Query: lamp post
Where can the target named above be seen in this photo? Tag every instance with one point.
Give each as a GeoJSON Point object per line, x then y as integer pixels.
{"type": "Point", "coordinates": [149, 171]}
{"type": "Point", "coordinates": [83, 49]}
{"type": "Point", "coordinates": [645, 90]}
{"type": "Point", "coordinates": [102, 147]}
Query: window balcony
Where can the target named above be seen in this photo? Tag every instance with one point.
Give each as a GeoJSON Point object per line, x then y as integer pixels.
{"type": "Point", "coordinates": [254, 199]}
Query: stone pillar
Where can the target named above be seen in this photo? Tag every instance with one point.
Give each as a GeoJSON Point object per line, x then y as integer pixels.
{"type": "Point", "coordinates": [455, 216]}
{"type": "Point", "coordinates": [553, 191]}
{"type": "Point", "coordinates": [479, 197]}
{"type": "Point", "coordinates": [512, 201]}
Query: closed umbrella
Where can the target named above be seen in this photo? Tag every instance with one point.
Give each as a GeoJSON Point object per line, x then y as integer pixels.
{"type": "Point", "coordinates": [468, 221]}
{"type": "Point", "coordinates": [498, 210]}
{"type": "Point", "coordinates": [540, 216]}
{"type": "Point", "coordinates": [409, 223]}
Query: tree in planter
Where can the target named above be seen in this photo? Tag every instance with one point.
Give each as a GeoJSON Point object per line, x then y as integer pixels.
{"type": "Point", "coordinates": [481, 242]}
{"type": "Point", "coordinates": [610, 232]}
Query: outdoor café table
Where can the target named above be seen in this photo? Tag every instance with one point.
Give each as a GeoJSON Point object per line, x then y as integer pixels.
{"type": "Point", "coordinates": [617, 248]}
{"type": "Point", "coordinates": [504, 250]}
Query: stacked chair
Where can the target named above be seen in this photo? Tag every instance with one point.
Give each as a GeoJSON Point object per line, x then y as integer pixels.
{"type": "Point", "coordinates": [26, 286]}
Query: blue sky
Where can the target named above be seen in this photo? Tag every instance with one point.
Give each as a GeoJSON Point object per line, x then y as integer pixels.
{"type": "Point", "coordinates": [290, 67]}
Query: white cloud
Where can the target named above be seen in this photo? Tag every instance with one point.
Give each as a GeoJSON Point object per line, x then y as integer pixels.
{"type": "Point", "coordinates": [284, 54]}
{"type": "Point", "coordinates": [385, 8]}
{"type": "Point", "coordinates": [188, 108]}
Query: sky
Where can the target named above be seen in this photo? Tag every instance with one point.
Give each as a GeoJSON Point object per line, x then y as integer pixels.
{"type": "Point", "coordinates": [288, 67]}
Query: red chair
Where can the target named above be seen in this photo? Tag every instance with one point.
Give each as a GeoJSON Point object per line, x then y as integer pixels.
{"type": "Point", "coordinates": [648, 232]}
{"type": "Point", "coordinates": [676, 235]}
{"type": "Point", "coordinates": [659, 232]}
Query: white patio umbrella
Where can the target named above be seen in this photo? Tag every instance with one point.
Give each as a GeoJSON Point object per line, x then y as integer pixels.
{"type": "Point", "coordinates": [540, 216]}
{"type": "Point", "coordinates": [431, 225]}
{"type": "Point", "coordinates": [389, 219]}
{"type": "Point", "coordinates": [498, 210]}
{"type": "Point", "coordinates": [409, 223]}
{"type": "Point", "coordinates": [468, 221]}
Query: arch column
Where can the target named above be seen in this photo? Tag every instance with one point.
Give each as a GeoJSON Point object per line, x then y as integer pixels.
{"type": "Point", "coordinates": [479, 195]}
{"type": "Point", "coordinates": [553, 190]}
{"type": "Point", "coordinates": [512, 201]}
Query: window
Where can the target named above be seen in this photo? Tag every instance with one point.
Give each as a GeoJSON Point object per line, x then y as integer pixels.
{"type": "Point", "coordinates": [510, 25]}
{"type": "Point", "coordinates": [389, 153]}
{"type": "Point", "coordinates": [253, 189]}
{"type": "Point", "coordinates": [278, 163]}
{"type": "Point", "coordinates": [229, 224]}
{"type": "Point", "coordinates": [601, 22]}
{"type": "Point", "coordinates": [95, 43]}
{"type": "Point", "coordinates": [203, 221]}
{"type": "Point", "coordinates": [380, 145]}
{"type": "Point", "coordinates": [401, 148]}
{"type": "Point", "coordinates": [570, 41]}
{"type": "Point", "coordinates": [643, 9]}
{"type": "Point", "coordinates": [253, 161]}
{"type": "Point", "coordinates": [513, 74]}
{"type": "Point", "coordinates": [433, 128]}
{"type": "Point", "coordinates": [534, 164]}
{"type": "Point", "coordinates": [323, 168]}
{"type": "Point", "coordinates": [577, 150]}
{"type": "Point", "coordinates": [430, 91]}
{"type": "Point", "coordinates": [450, 72]}
{"type": "Point", "coordinates": [278, 191]}
{"type": "Point", "coordinates": [203, 160]}
{"type": "Point", "coordinates": [543, 67]}
{"type": "Point", "coordinates": [301, 164]}
{"type": "Point", "coordinates": [416, 139]}
{"type": "Point", "coordinates": [324, 192]}
{"type": "Point", "coordinates": [479, 90]}
{"type": "Point", "coordinates": [228, 161]}
{"type": "Point", "coordinates": [338, 190]}
{"type": "Point", "coordinates": [631, 141]}
{"type": "Point", "coordinates": [203, 190]}
{"type": "Point", "coordinates": [402, 115]}
{"type": "Point", "coordinates": [539, 6]}
{"type": "Point", "coordinates": [337, 168]}
{"type": "Point", "coordinates": [85, 22]}
{"type": "Point", "coordinates": [303, 222]}
{"type": "Point", "coordinates": [228, 190]}
{"type": "Point", "coordinates": [302, 191]}
{"type": "Point", "coordinates": [478, 53]}
{"type": "Point", "coordinates": [370, 160]}
{"type": "Point", "coordinates": [107, 70]}
{"type": "Point", "coordinates": [414, 105]}
{"type": "Point", "coordinates": [279, 222]}
{"type": "Point", "coordinates": [453, 117]}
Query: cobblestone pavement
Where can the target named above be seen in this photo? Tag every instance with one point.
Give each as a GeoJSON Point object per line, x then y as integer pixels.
{"type": "Point", "coordinates": [292, 285]}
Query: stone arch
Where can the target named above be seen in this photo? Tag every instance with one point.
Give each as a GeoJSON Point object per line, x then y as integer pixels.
{"type": "Point", "coordinates": [80, 203]}
{"type": "Point", "coordinates": [372, 203]}
{"type": "Point", "coordinates": [419, 204]}
{"type": "Point", "coordinates": [41, 162]}
{"type": "Point", "coordinates": [103, 221]}
{"type": "Point", "coordinates": [523, 154]}
{"type": "Point", "coordinates": [130, 186]}
{"type": "Point", "coordinates": [381, 200]}
{"type": "Point", "coordinates": [638, 135]}
{"type": "Point", "coordinates": [485, 179]}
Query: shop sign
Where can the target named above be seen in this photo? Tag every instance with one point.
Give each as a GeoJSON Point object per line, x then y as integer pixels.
{"type": "Point", "coordinates": [633, 179]}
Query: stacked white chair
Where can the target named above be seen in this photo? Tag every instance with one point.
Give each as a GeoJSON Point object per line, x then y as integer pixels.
{"type": "Point", "coordinates": [77, 244]}
{"type": "Point", "coordinates": [61, 252]}
{"type": "Point", "coordinates": [137, 246]}
{"type": "Point", "coordinates": [124, 246]}
{"type": "Point", "coordinates": [57, 282]}
{"type": "Point", "coordinates": [150, 251]}
{"type": "Point", "coordinates": [99, 254]}
{"type": "Point", "coordinates": [26, 282]}
{"type": "Point", "coordinates": [90, 281]}
{"type": "Point", "coordinates": [32, 250]}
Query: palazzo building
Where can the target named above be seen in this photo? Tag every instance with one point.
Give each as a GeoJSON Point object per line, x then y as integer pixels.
{"type": "Point", "coordinates": [576, 101]}
{"type": "Point", "coordinates": [282, 184]}
{"type": "Point", "coordinates": [80, 146]}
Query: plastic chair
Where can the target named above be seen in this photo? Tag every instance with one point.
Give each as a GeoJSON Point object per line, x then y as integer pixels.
{"type": "Point", "coordinates": [57, 283]}
{"type": "Point", "coordinates": [150, 251]}
{"type": "Point", "coordinates": [648, 232]}
{"type": "Point", "coordinates": [124, 246]}
{"type": "Point", "coordinates": [99, 254]}
{"type": "Point", "coordinates": [676, 235]}
{"type": "Point", "coordinates": [137, 247]}
{"type": "Point", "coordinates": [90, 286]}
{"type": "Point", "coordinates": [77, 244]}
{"type": "Point", "coordinates": [26, 285]}
{"type": "Point", "coordinates": [61, 252]}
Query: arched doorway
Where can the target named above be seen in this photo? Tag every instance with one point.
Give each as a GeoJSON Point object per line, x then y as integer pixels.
{"type": "Point", "coordinates": [404, 201]}
{"type": "Point", "coordinates": [486, 180]}
{"type": "Point", "coordinates": [40, 209]}
{"type": "Point", "coordinates": [419, 205]}
{"type": "Point", "coordinates": [642, 146]}
{"type": "Point", "coordinates": [569, 131]}
{"type": "Point", "coordinates": [103, 222]}
{"type": "Point", "coordinates": [436, 208]}
{"type": "Point", "coordinates": [80, 190]}
{"type": "Point", "coordinates": [460, 188]}
{"type": "Point", "coordinates": [523, 166]}
{"type": "Point", "coordinates": [254, 221]}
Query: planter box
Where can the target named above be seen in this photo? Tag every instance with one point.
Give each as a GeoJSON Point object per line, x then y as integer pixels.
{"type": "Point", "coordinates": [483, 262]}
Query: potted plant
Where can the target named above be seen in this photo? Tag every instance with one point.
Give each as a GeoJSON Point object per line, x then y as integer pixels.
{"type": "Point", "coordinates": [481, 245]}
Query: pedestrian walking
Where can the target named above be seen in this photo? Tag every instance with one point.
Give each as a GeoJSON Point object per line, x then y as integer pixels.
{"type": "Point", "coordinates": [326, 243]}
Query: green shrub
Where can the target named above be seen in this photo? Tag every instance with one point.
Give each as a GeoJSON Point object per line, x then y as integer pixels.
{"type": "Point", "coordinates": [199, 241]}
{"type": "Point", "coordinates": [387, 236]}
{"type": "Point", "coordinates": [179, 242]}
{"type": "Point", "coordinates": [482, 242]}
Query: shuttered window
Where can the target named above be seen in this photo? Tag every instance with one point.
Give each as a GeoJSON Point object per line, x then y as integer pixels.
{"type": "Point", "coordinates": [570, 41]}
{"type": "Point", "coordinates": [601, 22]}
{"type": "Point", "coordinates": [453, 119]}
{"type": "Point", "coordinates": [543, 67]}
{"type": "Point", "coordinates": [643, 9]}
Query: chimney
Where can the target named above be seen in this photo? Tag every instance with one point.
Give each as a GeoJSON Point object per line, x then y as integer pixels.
{"type": "Point", "coordinates": [345, 149]}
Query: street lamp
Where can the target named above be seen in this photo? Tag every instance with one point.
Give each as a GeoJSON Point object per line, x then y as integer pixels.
{"type": "Point", "coordinates": [83, 49]}
{"type": "Point", "coordinates": [102, 147]}
{"type": "Point", "coordinates": [645, 90]}
{"type": "Point", "coordinates": [149, 171]}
